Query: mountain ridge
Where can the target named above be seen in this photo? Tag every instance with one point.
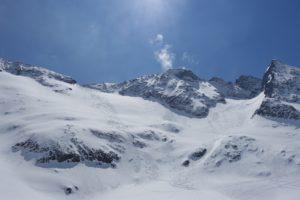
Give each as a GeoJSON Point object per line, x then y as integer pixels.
{"type": "Point", "coordinates": [184, 92]}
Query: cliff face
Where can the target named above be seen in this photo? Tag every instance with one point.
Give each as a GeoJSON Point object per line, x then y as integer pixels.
{"type": "Point", "coordinates": [281, 86]}
{"type": "Point", "coordinates": [282, 82]}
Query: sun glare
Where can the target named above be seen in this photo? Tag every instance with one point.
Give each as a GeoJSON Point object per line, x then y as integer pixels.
{"type": "Point", "coordinates": [151, 8]}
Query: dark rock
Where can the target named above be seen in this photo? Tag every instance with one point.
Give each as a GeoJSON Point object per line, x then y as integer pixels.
{"type": "Point", "coordinates": [233, 156]}
{"type": "Point", "coordinates": [186, 163]}
{"type": "Point", "coordinates": [251, 84]}
{"type": "Point", "coordinates": [277, 109]}
{"type": "Point", "coordinates": [183, 74]}
{"type": "Point", "coordinates": [198, 154]}
{"type": "Point", "coordinates": [74, 153]}
{"type": "Point", "coordinates": [245, 87]}
{"type": "Point", "coordinates": [282, 82]}
{"type": "Point", "coordinates": [68, 190]}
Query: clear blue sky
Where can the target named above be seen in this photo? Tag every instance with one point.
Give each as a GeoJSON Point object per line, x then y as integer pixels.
{"type": "Point", "coordinates": [115, 40]}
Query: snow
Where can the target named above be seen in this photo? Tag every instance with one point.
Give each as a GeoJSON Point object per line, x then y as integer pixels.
{"type": "Point", "coordinates": [29, 109]}
{"type": "Point", "coordinates": [207, 89]}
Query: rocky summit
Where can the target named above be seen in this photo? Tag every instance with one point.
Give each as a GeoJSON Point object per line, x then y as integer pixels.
{"type": "Point", "coordinates": [281, 87]}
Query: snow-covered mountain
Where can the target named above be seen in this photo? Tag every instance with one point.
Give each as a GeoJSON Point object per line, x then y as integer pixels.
{"type": "Point", "coordinates": [178, 89]}
{"type": "Point", "coordinates": [183, 91]}
{"type": "Point", "coordinates": [166, 136]}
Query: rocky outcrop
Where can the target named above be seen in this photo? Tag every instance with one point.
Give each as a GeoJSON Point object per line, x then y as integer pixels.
{"type": "Point", "coordinates": [194, 156]}
{"type": "Point", "coordinates": [66, 154]}
{"type": "Point", "coordinates": [281, 86]}
{"type": "Point", "coordinates": [70, 190]}
{"type": "Point", "coordinates": [277, 109]}
{"type": "Point", "coordinates": [250, 84]}
{"type": "Point", "coordinates": [282, 82]}
{"type": "Point", "coordinates": [199, 153]}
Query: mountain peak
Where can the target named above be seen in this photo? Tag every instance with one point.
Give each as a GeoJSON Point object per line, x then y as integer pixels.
{"type": "Point", "coordinates": [281, 86]}
{"type": "Point", "coordinates": [282, 68]}
{"type": "Point", "coordinates": [275, 62]}
{"type": "Point", "coordinates": [181, 73]}
{"type": "Point", "coordinates": [278, 78]}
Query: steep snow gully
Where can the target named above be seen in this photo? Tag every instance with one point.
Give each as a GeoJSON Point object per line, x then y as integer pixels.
{"type": "Point", "coordinates": [166, 136]}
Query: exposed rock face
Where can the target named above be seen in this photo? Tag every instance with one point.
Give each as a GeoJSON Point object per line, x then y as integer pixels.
{"type": "Point", "coordinates": [250, 84]}
{"type": "Point", "coordinates": [37, 73]}
{"type": "Point", "coordinates": [245, 87]}
{"type": "Point", "coordinates": [199, 153]}
{"type": "Point", "coordinates": [70, 190]}
{"type": "Point", "coordinates": [178, 89]}
{"type": "Point", "coordinates": [194, 156]}
{"type": "Point", "coordinates": [186, 163]}
{"type": "Point", "coordinates": [281, 84]}
{"type": "Point", "coordinates": [65, 154]}
{"type": "Point", "coordinates": [277, 109]}
{"type": "Point", "coordinates": [69, 150]}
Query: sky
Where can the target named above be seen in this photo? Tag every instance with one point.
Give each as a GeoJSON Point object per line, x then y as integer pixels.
{"type": "Point", "coordinates": [116, 40]}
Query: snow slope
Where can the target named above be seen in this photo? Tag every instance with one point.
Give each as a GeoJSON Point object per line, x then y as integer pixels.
{"type": "Point", "coordinates": [161, 153]}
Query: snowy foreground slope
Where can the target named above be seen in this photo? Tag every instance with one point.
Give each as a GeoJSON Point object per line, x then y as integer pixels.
{"type": "Point", "coordinates": [136, 140]}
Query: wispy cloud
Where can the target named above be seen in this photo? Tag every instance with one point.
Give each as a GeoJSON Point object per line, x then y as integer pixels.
{"type": "Point", "coordinates": [159, 39]}
{"type": "Point", "coordinates": [165, 57]}
{"type": "Point", "coordinates": [163, 54]}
